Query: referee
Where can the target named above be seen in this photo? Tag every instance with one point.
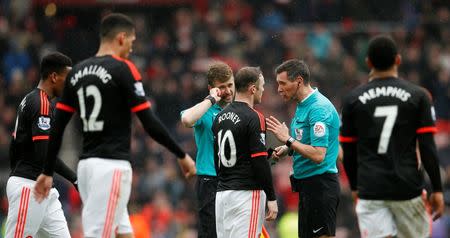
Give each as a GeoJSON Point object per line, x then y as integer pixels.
{"type": "Point", "coordinates": [313, 142]}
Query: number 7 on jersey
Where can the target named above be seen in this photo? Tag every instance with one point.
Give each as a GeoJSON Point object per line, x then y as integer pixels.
{"type": "Point", "coordinates": [390, 112]}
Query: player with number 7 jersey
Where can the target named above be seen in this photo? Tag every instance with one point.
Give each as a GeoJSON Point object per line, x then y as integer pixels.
{"type": "Point", "coordinates": [383, 122]}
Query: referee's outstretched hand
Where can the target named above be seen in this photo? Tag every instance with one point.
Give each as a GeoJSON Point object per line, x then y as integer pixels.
{"type": "Point", "coordinates": [437, 205]}
{"type": "Point", "coordinates": [42, 187]}
{"type": "Point", "coordinates": [279, 129]}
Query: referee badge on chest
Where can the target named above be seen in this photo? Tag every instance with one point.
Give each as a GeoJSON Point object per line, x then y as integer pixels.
{"type": "Point", "coordinates": [298, 134]}
{"type": "Point", "coordinates": [44, 123]}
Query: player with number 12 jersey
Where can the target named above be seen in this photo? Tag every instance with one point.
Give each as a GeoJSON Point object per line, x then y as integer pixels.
{"type": "Point", "coordinates": [105, 90]}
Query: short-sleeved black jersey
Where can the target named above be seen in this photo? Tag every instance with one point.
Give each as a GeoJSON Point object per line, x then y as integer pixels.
{"type": "Point", "coordinates": [33, 123]}
{"type": "Point", "coordinates": [104, 91]}
{"type": "Point", "coordinates": [384, 117]}
{"type": "Point", "coordinates": [239, 135]}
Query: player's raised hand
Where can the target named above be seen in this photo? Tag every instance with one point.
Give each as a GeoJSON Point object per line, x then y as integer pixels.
{"type": "Point", "coordinates": [215, 92]}
{"type": "Point", "coordinates": [42, 187]}
{"type": "Point", "coordinates": [437, 205]}
{"type": "Point", "coordinates": [187, 166]}
{"type": "Point", "coordinates": [280, 130]}
{"type": "Point", "coordinates": [272, 210]}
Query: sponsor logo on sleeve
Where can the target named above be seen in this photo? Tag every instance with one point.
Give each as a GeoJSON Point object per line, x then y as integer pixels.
{"type": "Point", "coordinates": [433, 114]}
{"type": "Point", "coordinates": [319, 129]}
{"type": "Point", "coordinates": [139, 89]}
{"type": "Point", "coordinates": [44, 123]}
{"type": "Point", "coordinates": [263, 138]}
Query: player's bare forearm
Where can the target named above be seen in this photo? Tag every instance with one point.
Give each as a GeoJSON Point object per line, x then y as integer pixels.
{"type": "Point", "coordinates": [315, 154]}
{"type": "Point", "coordinates": [191, 115]}
{"type": "Point", "coordinates": [281, 131]}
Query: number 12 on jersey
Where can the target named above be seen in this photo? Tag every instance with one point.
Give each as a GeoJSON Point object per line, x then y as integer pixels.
{"type": "Point", "coordinates": [90, 122]}
{"type": "Point", "coordinates": [390, 112]}
{"type": "Point", "coordinates": [227, 138]}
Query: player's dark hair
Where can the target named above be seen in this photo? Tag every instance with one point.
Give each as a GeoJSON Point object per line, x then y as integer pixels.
{"type": "Point", "coordinates": [294, 68]}
{"type": "Point", "coordinates": [54, 62]}
{"type": "Point", "coordinates": [382, 52]}
{"type": "Point", "coordinates": [246, 77]}
{"type": "Point", "coordinates": [218, 72]}
{"type": "Point", "coordinates": [115, 23]}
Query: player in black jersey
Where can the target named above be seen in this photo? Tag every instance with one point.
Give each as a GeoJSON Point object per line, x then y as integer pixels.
{"type": "Point", "coordinates": [104, 90]}
{"type": "Point", "coordinates": [28, 149]}
{"type": "Point", "coordinates": [245, 179]}
{"type": "Point", "coordinates": [382, 122]}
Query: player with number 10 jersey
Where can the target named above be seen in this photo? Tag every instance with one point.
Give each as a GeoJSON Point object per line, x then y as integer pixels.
{"type": "Point", "coordinates": [244, 176]}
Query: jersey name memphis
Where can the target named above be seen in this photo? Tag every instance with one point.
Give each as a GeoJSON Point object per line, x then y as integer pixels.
{"type": "Point", "coordinates": [96, 70]}
{"type": "Point", "coordinates": [388, 91]}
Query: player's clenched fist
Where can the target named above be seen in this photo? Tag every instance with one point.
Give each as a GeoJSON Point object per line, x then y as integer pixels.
{"type": "Point", "coordinates": [215, 92]}
{"type": "Point", "coordinates": [42, 187]}
{"type": "Point", "coordinates": [187, 166]}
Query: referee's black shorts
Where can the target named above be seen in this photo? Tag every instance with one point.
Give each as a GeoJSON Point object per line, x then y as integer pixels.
{"type": "Point", "coordinates": [206, 192]}
{"type": "Point", "coordinates": [318, 202]}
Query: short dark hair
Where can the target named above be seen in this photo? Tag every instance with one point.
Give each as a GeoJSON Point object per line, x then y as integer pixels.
{"type": "Point", "coordinates": [54, 62]}
{"type": "Point", "coordinates": [294, 68]}
{"type": "Point", "coordinates": [115, 23]}
{"type": "Point", "coordinates": [218, 72]}
{"type": "Point", "coordinates": [245, 77]}
{"type": "Point", "coordinates": [382, 52]}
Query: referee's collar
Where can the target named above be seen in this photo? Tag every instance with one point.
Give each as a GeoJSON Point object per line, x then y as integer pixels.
{"type": "Point", "coordinates": [307, 98]}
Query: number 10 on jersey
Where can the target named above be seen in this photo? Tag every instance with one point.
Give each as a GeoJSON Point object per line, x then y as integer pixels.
{"type": "Point", "coordinates": [227, 138]}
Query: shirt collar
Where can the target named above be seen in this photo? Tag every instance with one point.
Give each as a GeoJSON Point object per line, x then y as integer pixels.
{"type": "Point", "coordinates": [307, 98]}
{"type": "Point", "coordinates": [216, 107]}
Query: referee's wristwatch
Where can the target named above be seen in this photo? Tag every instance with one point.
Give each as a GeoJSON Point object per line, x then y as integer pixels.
{"type": "Point", "coordinates": [211, 99]}
{"type": "Point", "coordinates": [289, 142]}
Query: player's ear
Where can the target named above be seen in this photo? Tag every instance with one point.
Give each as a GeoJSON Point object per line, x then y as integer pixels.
{"type": "Point", "coordinates": [369, 63]}
{"type": "Point", "coordinates": [53, 77]}
{"type": "Point", "coordinates": [398, 59]}
{"type": "Point", "coordinates": [253, 88]}
{"type": "Point", "coordinates": [300, 80]}
{"type": "Point", "coordinates": [121, 37]}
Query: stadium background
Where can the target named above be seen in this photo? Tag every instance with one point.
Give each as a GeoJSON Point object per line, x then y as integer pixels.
{"type": "Point", "coordinates": [176, 40]}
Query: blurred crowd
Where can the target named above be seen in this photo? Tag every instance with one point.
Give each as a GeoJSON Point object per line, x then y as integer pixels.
{"type": "Point", "coordinates": [174, 47]}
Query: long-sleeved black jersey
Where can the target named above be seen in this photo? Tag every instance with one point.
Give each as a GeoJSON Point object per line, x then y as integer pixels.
{"type": "Point", "coordinates": [104, 91]}
{"type": "Point", "coordinates": [240, 150]}
{"type": "Point", "coordinates": [29, 144]}
{"type": "Point", "coordinates": [382, 122]}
